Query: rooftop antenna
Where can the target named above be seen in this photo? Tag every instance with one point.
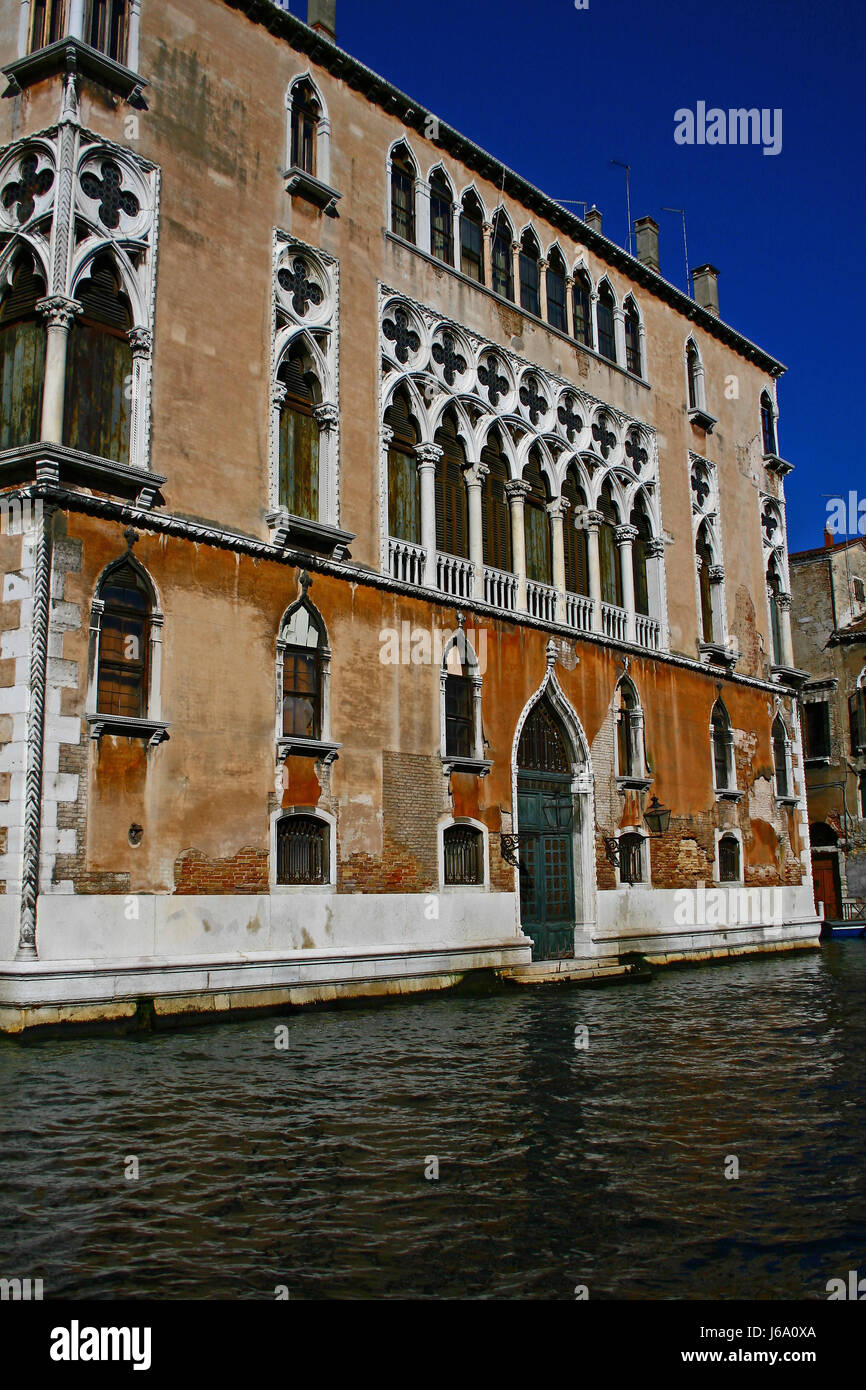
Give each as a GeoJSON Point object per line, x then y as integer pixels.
{"type": "Point", "coordinates": [627, 167]}
{"type": "Point", "coordinates": [573, 203]}
{"type": "Point", "coordinates": [682, 213]}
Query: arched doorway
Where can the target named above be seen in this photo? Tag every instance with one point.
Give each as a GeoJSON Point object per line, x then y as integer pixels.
{"type": "Point", "coordinates": [545, 814]}
{"type": "Point", "coordinates": [825, 870]}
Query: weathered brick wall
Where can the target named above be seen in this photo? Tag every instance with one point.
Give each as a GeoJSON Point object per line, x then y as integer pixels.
{"type": "Point", "coordinates": [245, 872]}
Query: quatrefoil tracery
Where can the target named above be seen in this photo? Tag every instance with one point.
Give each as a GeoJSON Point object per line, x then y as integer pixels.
{"type": "Point", "coordinates": [297, 282]}
{"type": "Point", "coordinates": [29, 186]}
{"type": "Point", "coordinates": [113, 198]}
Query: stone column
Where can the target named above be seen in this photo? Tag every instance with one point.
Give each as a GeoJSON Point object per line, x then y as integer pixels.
{"type": "Point", "coordinates": [784, 602]}
{"type": "Point", "coordinates": [487, 251]}
{"type": "Point", "coordinates": [76, 19]}
{"type": "Point", "coordinates": [134, 29]}
{"type": "Point", "coordinates": [141, 341]}
{"type": "Point", "coordinates": [592, 521]}
{"type": "Point", "coordinates": [386, 438]}
{"type": "Point", "coordinates": [619, 335]}
{"type": "Point", "coordinates": [569, 305]}
{"type": "Point", "coordinates": [542, 289]}
{"type": "Point", "coordinates": [625, 537]}
{"type": "Point", "coordinates": [655, 551]}
{"type": "Point", "coordinates": [59, 313]}
{"type": "Point", "coordinates": [278, 397]}
{"type": "Point", "coordinates": [557, 510]}
{"type": "Point", "coordinates": [474, 483]}
{"type": "Point", "coordinates": [516, 491]}
{"type": "Point", "coordinates": [327, 417]}
{"type": "Point", "coordinates": [455, 213]}
{"type": "Point", "coordinates": [716, 575]}
{"type": "Point", "coordinates": [39, 629]}
{"type": "Point", "coordinates": [515, 271]}
{"type": "Point", "coordinates": [422, 215]}
{"type": "Point", "coordinates": [428, 456]}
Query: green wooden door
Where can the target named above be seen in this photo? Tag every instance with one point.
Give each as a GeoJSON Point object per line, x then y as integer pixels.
{"type": "Point", "coordinates": [546, 853]}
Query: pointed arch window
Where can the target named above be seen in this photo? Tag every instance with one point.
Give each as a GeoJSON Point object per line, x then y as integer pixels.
{"type": "Point", "coordinates": [404, 483]}
{"type": "Point", "coordinates": [403, 194]}
{"type": "Point", "coordinates": [304, 682]}
{"type": "Point", "coordinates": [704, 558]}
{"type": "Point", "coordinates": [496, 515]}
{"type": "Point", "coordinates": [781, 758]}
{"type": "Point", "coordinates": [639, 554]}
{"type": "Point", "coordinates": [774, 589]}
{"type": "Point", "coordinates": [299, 437]}
{"type": "Point", "coordinates": [581, 298]}
{"type": "Point", "coordinates": [544, 745]}
{"type": "Point", "coordinates": [529, 274]}
{"type": "Point", "coordinates": [630, 756]}
{"type": "Point", "coordinates": [97, 411]}
{"type": "Point", "coordinates": [576, 538]}
{"type": "Point", "coordinates": [107, 28]}
{"type": "Point", "coordinates": [537, 522]}
{"type": "Point", "coordinates": [693, 370]}
{"type": "Point", "coordinates": [22, 358]}
{"type": "Point", "coordinates": [604, 311]}
{"type": "Point", "coordinates": [472, 238]}
{"type": "Point", "coordinates": [306, 113]}
{"type": "Point", "coordinates": [503, 261]}
{"type": "Point", "coordinates": [452, 508]}
{"type": "Point", "coordinates": [441, 218]}
{"type": "Point", "coordinates": [723, 748]}
{"type": "Point", "coordinates": [608, 554]}
{"type": "Point", "coordinates": [462, 734]}
{"type": "Point", "coordinates": [123, 644]}
{"type": "Point", "coordinates": [768, 424]}
{"type": "Point", "coordinates": [633, 360]}
{"type": "Point", "coordinates": [556, 311]}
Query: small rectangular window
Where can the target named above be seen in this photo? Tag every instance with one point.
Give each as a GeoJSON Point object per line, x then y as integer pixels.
{"type": "Point", "coordinates": [631, 859]}
{"type": "Point", "coordinates": [464, 850]}
{"type": "Point", "coordinates": [857, 721]}
{"type": "Point", "coordinates": [729, 859]}
{"type": "Point", "coordinates": [48, 23]}
{"type": "Point", "coordinates": [859, 591]}
{"type": "Point", "coordinates": [107, 29]}
{"type": "Point", "coordinates": [301, 695]}
{"type": "Point", "coordinates": [817, 730]}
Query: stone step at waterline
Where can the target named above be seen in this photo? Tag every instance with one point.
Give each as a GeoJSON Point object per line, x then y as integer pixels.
{"type": "Point", "coordinates": [565, 971]}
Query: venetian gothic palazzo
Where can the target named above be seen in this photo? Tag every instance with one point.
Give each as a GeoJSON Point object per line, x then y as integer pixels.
{"type": "Point", "coordinates": [395, 581]}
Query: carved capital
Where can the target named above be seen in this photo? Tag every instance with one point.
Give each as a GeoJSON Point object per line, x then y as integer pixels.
{"type": "Point", "coordinates": [558, 507]}
{"type": "Point", "coordinates": [278, 393]}
{"type": "Point", "coordinates": [428, 455]}
{"type": "Point", "coordinates": [475, 474]}
{"type": "Point", "coordinates": [626, 535]}
{"type": "Point", "coordinates": [590, 519]}
{"type": "Point", "coordinates": [784, 600]}
{"type": "Point", "coordinates": [716, 574]}
{"type": "Point", "coordinates": [59, 311]}
{"type": "Point", "coordinates": [516, 490]}
{"type": "Point", "coordinates": [326, 416]}
{"type": "Point", "coordinates": [387, 436]}
{"type": "Point", "coordinates": [141, 341]}
{"type": "Point", "coordinates": [655, 548]}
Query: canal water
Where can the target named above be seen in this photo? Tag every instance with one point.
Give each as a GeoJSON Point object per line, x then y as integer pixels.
{"type": "Point", "coordinates": [311, 1167]}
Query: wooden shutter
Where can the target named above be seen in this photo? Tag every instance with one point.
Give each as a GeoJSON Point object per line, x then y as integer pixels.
{"type": "Point", "coordinates": [496, 513]}
{"type": "Point", "coordinates": [452, 521]}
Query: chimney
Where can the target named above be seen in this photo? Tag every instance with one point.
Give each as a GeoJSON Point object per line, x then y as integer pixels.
{"type": "Point", "coordinates": [706, 282]}
{"type": "Point", "coordinates": [593, 219]}
{"type": "Point", "coordinates": [322, 16]}
{"type": "Point", "coordinates": [646, 233]}
{"type": "Point", "coordinates": [829, 542]}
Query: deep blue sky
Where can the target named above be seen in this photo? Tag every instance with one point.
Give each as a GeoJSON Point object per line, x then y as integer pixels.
{"type": "Point", "coordinates": [556, 93]}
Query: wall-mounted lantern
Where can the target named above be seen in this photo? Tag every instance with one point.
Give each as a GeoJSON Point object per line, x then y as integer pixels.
{"type": "Point", "coordinates": [657, 817]}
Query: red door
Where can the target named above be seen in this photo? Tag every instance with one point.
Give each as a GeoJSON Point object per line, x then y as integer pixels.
{"type": "Point", "coordinates": [825, 872]}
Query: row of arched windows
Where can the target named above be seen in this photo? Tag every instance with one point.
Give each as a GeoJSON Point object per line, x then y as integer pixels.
{"type": "Point", "coordinates": [457, 238]}
{"type": "Point", "coordinates": [452, 510]}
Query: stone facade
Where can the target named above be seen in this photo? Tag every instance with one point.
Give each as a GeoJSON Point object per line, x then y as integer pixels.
{"type": "Point", "coordinates": [155, 838]}
{"type": "Point", "coordinates": [829, 591]}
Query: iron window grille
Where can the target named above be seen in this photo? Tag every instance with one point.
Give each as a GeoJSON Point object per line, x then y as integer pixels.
{"type": "Point", "coordinates": [729, 859]}
{"type": "Point", "coordinates": [464, 855]}
{"type": "Point", "coordinates": [631, 859]}
{"type": "Point", "coordinates": [302, 850]}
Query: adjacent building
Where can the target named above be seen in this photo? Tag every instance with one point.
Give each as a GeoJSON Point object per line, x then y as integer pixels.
{"type": "Point", "coordinates": [382, 545]}
{"type": "Point", "coordinates": [829, 630]}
